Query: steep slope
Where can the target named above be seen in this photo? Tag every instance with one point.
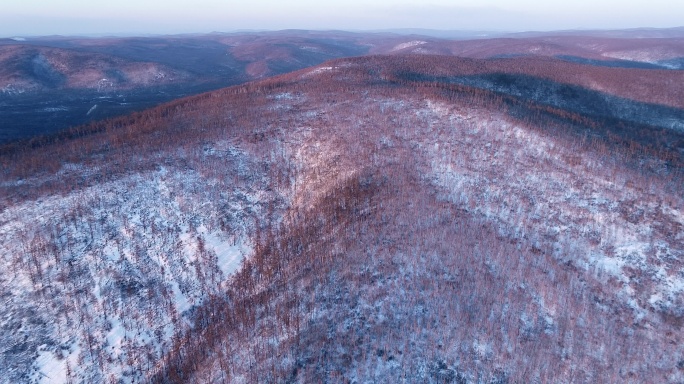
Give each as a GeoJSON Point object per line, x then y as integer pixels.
{"type": "Point", "coordinates": [396, 226]}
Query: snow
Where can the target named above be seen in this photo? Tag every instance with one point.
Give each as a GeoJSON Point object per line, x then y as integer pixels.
{"type": "Point", "coordinates": [134, 253]}
{"type": "Point", "coordinates": [310, 48]}
{"type": "Point", "coordinates": [677, 214]}
{"type": "Point", "coordinates": [320, 70]}
{"type": "Point", "coordinates": [49, 369]}
{"type": "Point", "coordinates": [284, 96]}
{"type": "Point", "coordinates": [12, 89]}
{"type": "Point", "coordinates": [576, 209]}
{"type": "Point", "coordinates": [642, 55]}
{"type": "Point", "coordinates": [181, 301]}
{"type": "Point", "coordinates": [230, 253]}
{"type": "Point", "coordinates": [408, 44]}
{"type": "Point", "coordinates": [123, 263]}
{"type": "Point", "coordinates": [612, 265]}
{"type": "Point", "coordinates": [115, 338]}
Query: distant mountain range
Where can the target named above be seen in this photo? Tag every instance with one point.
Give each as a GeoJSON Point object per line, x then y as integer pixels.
{"type": "Point", "coordinates": [50, 83]}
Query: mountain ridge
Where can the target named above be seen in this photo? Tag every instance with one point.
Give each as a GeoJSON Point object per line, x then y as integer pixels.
{"type": "Point", "coordinates": [381, 227]}
{"type": "Point", "coordinates": [50, 84]}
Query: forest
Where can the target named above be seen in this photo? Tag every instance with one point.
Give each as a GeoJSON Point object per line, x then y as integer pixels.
{"type": "Point", "coordinates": [383, 218]}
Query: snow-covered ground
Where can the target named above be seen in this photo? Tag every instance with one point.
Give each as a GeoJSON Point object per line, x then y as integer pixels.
{"type": "Point", "coordinates": [96, 283]}
{"type": "Point", "coordinates": [596, 214]}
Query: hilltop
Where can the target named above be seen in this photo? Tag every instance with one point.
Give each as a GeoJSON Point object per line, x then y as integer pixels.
{"type": "Point", "coordinates": [390, 217]}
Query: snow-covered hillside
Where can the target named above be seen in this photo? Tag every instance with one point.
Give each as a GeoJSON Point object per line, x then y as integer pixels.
{"type": "Point", "coordinates": [591, 212]}
{"type": "Point", "coordinates": [97, 282]}
{"type": "Point", "coordinates": [362, 221]}
{"type": "Point", "coordinates": [447, 242]}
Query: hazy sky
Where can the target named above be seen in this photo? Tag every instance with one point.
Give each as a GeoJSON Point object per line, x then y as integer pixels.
{"type": "Point", "coordinates": [43, 17]}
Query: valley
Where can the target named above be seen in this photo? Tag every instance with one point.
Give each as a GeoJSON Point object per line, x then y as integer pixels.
{"type": "Point", "coordinates": [52, 83]}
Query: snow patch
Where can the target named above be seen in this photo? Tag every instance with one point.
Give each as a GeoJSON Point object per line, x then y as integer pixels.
{"type": "Point", "coordinates": [320, 70]}
{"type": "Point", "coordinates": [408, 44]}
{"type": "Point", "coordinates": [55, 109]}
{"type": "Point", "coordinates": [49, 368]}
{"type": "Point", "coordinates": [230, 252]}
{"type": "Point", "coordinates": [284, 96]}
{"type": "Point", "coordinates": [652, 56]}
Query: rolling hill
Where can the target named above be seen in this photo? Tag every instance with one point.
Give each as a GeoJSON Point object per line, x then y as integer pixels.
{"type": "Point", "coordinates": [419, 218]}
{"type": "Point", "coordinates": [51, 83]}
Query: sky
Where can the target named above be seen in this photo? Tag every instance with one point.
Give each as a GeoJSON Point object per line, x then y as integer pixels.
{"type": "Point", "coordinates": [135, 17]}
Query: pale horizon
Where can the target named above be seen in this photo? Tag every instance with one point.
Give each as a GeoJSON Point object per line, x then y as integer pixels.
{"type": "Point", "coordinates": [29, 18]}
